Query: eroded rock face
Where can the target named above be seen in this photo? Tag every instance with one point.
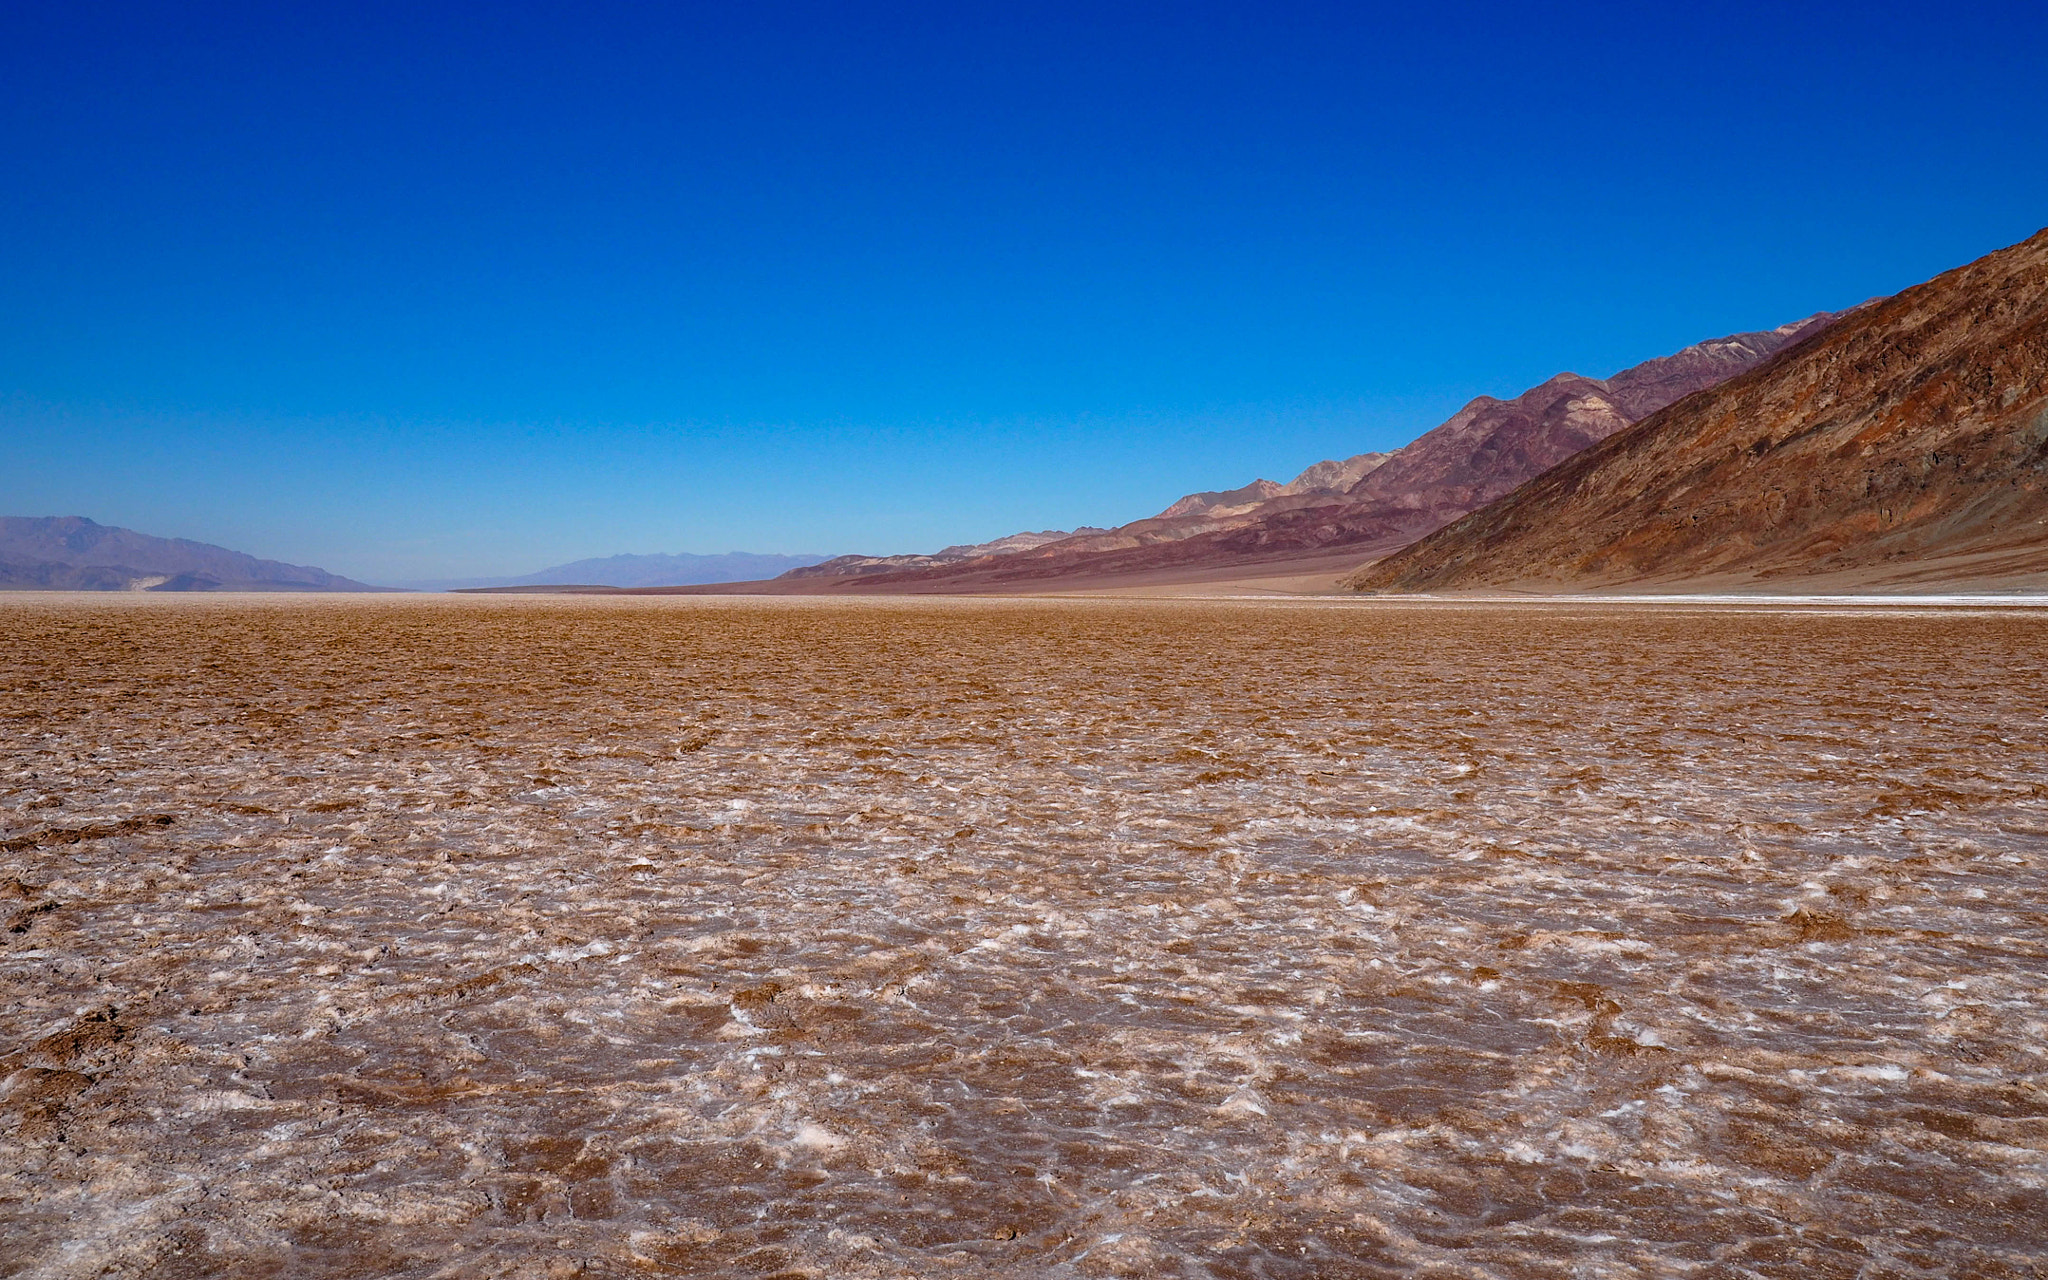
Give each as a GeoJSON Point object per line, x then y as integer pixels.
{"type": "Point", "coordinates": [1915, 429]}
{"type": "Point", "coordinates": [539, 937]}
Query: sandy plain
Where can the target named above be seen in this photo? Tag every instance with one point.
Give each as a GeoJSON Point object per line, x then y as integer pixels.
{"type": "Point", "coordinates": [546, 936]}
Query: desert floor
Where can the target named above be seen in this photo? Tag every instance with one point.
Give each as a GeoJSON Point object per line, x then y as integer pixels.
{"type": "Point", "coordinates": [546, 936]}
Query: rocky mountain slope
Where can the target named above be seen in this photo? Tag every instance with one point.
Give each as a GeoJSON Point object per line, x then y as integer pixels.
{"type": "Point", "coordinates": [72, 553]}
{"type": "Point", "coordinates": [1485, 450]}
{"type": "Point", "coordinates": [1222, 502]}
{"type": "Point", "coordinates": [1197, 513]}
{"type": "Point", "coordinates": [1336, 475]}
{"type": "Point", "coordinates": [1913, 433]}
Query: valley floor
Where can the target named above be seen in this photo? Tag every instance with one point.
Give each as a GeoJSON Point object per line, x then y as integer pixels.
{"type": "Point", "coordinates": [546, 936]}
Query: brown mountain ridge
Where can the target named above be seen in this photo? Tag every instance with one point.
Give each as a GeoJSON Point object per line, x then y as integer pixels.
{"type": "Point", "coordinates": [1906, 445]}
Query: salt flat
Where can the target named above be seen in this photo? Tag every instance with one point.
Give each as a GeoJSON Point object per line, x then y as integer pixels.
{"type": "Point", "coordinates": [698, 936]}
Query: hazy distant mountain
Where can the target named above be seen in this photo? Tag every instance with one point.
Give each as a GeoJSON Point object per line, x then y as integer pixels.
{"type": "Point", "coordinates": [859, 565]}
{"type": "Point", "coordinates": [72, 553]}
{"type": "Point", "coordinates": [1906, 444]}
{"type": "Point", "coordinates": [678, 570]}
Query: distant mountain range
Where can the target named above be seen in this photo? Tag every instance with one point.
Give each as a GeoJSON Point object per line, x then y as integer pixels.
{"type": "Point", "coordinates": [1906, 446]}
{"type": "Point", "coordinates": [1901, 444]}
{"type": "Point", "coordinates": [72, 553]}
{"type": "Point", "coordinates": [681, 569]}
{"type": "Point", "coordinates": [1365, 505]}
{"type": "Point", "coordinates": [863, 566]}
{"type": "Point", "coordinates": [1194, 514]}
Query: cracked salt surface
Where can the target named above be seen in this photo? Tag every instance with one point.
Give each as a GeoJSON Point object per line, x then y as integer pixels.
{"type": "Point", "coordinates": [525, 937]}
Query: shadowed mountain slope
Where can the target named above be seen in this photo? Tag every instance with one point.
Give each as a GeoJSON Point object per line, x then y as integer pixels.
{"type": "Point", "coordinates": [1914, 431]}
{"type": "Point", "coordinates": [72, 553]}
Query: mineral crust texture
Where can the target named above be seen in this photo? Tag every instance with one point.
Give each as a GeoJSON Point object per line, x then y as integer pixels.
{"type": "Point", "coordinates": [524, 937]}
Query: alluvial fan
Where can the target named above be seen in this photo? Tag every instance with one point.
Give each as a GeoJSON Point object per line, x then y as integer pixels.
{"type": "Point", "coordinates": [516, 937]}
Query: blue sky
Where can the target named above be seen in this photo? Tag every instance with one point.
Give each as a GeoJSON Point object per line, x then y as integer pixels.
{"type": "Point", "coordinates": [426, 290]}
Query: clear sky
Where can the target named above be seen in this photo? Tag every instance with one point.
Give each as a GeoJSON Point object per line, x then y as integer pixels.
{"type": "Point", "coordinates": [419, 290]}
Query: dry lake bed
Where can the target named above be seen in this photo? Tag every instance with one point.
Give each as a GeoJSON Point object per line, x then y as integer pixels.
{"type": "Point", "coordinates": [457, 937]}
